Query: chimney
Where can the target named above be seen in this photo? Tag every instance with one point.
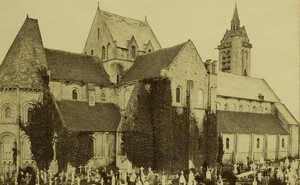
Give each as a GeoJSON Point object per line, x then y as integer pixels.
{"type": "Point", "coordinates": [214, 67]}
{"type": "Point", "coordinates": [91, 94]}
{"type": "Point", "coordinates": [208, 66]}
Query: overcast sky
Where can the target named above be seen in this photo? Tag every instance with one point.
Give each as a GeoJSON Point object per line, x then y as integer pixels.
{"type": "Point", "coordinates": [272, 27]}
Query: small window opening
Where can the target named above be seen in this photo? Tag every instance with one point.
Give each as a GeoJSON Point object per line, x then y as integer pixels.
{"type": "Point", "coordinates": [257, 143]}
{"type": "Point", "coordinates": [282, 143]}
{"type": "Point", "coordinates": [29, 115]}
{"type": "Point", "coordinates": [74, 94]}
{"type": "Point", "coordinates": [7, 112]}
{"type": "Point", "coordinates": [133, 52]}
{"type": "Point", "coordinates": [103, 96]}
{"type": "Point", "coordinates": [178, 95]}
{"type": "Point", "coordinates": [227, 143]}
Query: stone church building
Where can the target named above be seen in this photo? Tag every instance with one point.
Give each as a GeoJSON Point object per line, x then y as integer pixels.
{"type": "Point", "coordinates": [92, 89]}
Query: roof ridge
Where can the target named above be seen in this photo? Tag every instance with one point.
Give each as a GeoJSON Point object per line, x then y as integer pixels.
{"type": "Point", "coordinates": [122, 16]}
{"type": "Point", "coordinates": [70, 52]}
{"type": "Point", "coordinates": [171, 47]}
{"type": "Point", "coordinates": [220, 72]}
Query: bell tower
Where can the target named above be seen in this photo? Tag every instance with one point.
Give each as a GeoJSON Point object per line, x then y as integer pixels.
{"type": "Point", "coordinates": [235, 49]}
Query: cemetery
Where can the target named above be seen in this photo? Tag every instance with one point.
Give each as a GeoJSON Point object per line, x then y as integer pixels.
{"type": "Point", "coordinates": [285, 171]}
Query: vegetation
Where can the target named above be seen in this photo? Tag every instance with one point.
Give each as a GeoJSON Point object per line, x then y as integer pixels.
{"type": "Point", "coordinates": [157, 134]}
{"type": "Point", "coordinates": [41, 130]}
{"type": "Point", "coordinates": [75, 148]}
{"type": "Point", "coordinates": [72, 147]}
{"type": "Point", "coordinates": [210, 136]}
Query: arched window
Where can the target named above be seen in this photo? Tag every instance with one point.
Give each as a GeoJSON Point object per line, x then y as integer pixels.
{"type": "Point", "coordinates": [254, 108]}
{"type": "Point", "coordinates": [103, 53]}
{"type": "Point", "coordinates": [257, 143]}
{"type": "Point", "coordinates": [133, 52]}
{"type": "Point", "coordinates": [98, 33]}
{"type": "Point", "coordinates": [7, 112]}
{"type": "Point", "coordinates": [226, 106]}
{"type": "Point", "coordinates": [227, 143]}
{"type": "Point", "coordinates": [74, 94]}
{"type": "Point", "coordinates": [29, 114]}
{"type": "Point", "coordinates": [92, 52]}
{"type": "Point", "coordinates": [108, 51]}
{"type": "Point", "coordinates": [282, 143]}
{"type": "Point", "coordinates": [7, 146]}
{"type": "Point", "coordinates": [103, 96]}
{"type": "Point", "coordinates": [241, 108]}
{"type": "Point", "coordinates": [178, 95]}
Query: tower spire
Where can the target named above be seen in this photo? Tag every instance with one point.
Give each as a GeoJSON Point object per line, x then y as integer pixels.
{"type": "Point", "coordinates": [235, 22]}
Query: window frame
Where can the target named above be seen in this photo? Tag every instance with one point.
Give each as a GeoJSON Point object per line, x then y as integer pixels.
{"type": "Point", "coordinates": [75, 94]}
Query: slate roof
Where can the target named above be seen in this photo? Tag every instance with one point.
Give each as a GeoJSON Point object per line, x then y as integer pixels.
{"type": "Point", "coordinates": [150, 65]}
{"type": "Point", "coordinates": [24, 58]}
{"type": "Point", "coordinates": [237, 86]}
{"type": "Point", "coordinates": [123, 28]}
{"type": "Point", "coordinates": [248, 123]}
{"type": "Point", "coordinates": [79, 116]}
{"type": "Point", "coordinates": [75, 67]}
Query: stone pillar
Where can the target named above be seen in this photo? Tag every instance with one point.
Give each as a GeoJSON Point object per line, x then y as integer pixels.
{"type": "Point", "coordinates": [265, 150]}
{"type": "Point", "coordinates": [277, 146]}
{"type": "Point", "coordinates": [236, 149]}
{"type": "Point", "coordinates": [252, 145]}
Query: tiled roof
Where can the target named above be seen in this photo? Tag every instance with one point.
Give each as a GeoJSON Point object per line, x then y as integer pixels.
{"type": "Point", "coordinates": [232, 85]}
{"type": "Point", "coordinates": [123, 28]}
{"type": "Point", "coordinates": [79, 116]}
{"type": "Point", "coordinates": [247, 123]}
{"type": "Point", "coordinates": [150, 65]}
{"type": "Point", "coordinates": [75, 67]}
{"type": "Point", "coordinates": [25, 56]}
{"type": "Point", "coordinates": [286, 113]}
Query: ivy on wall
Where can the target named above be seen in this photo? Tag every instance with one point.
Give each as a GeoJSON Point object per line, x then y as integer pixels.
{"type": "Point", "coordinates": [157, 134]}
{"type": "Point", "coordinates": [210, 136]}
{"type": "Point", "coordinates": [75, 148]}
{"type": "Point", "coordinates": [138, 131]}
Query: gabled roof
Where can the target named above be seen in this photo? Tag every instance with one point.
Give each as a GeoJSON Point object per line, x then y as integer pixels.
{"type": "Point", "coordinates": [231, 85]}
{"type": "Point", "coordinates": [150, 65]}
{"type": "Point", "coordinates": [248, 123]}
{"type": "Point", "coordinates": [24, 58]}
{"type": "Point", "coordinates": [79, 116]}
{"type": "Point", "coordinates": [286, 113]}
{"type": "Point", "coordinates": [75, 67]}
{"type": "Point", "coordinates": [123, 28]}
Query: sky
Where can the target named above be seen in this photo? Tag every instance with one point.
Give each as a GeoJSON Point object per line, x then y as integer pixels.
{"type": "Point", "coordinates": [272, 27]}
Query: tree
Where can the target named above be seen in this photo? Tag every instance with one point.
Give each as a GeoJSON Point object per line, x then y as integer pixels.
{"type": "Point", "coordinates": [161, 111]}
{"type": "Point", "coordinates": [210, 133]}
{"type": "Point", "coordinates": [41, 129]}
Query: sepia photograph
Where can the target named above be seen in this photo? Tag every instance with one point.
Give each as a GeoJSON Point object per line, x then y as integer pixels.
{"type": "Point", "coordinates": [139, 92]}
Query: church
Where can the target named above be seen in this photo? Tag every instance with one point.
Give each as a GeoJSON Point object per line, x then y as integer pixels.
{"type": "Point", "coordinates": [93, 89]}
